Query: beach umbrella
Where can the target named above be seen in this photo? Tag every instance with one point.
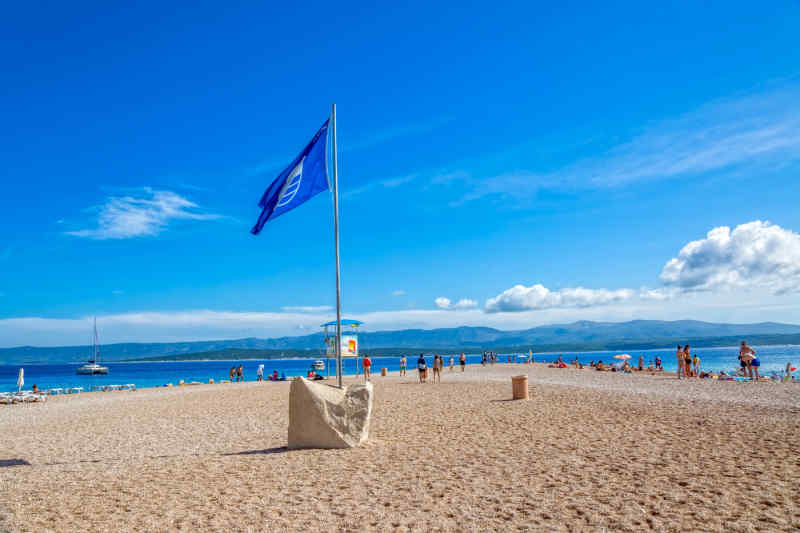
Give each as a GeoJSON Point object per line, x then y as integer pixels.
{"type": "Point", "coordinates": [622, 356]}
{"type": "Point", "coordinates": [21, 379]}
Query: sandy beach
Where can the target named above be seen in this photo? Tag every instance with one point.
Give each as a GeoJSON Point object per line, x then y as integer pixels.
{"type": "Point", "coordinates": [590, 451]}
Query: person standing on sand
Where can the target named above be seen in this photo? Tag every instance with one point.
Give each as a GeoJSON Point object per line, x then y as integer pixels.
{"type": "Point", "coordinates": [641, 362]}
{"type": "Point", "coordinates": [367, 367]}
{"type": "Point", "coordinates": [232, 373]}
{"type": "Point", "coordinates": [422, 368]}
{"type": "Point", "coordinates": [403, 365]}
{"type": "Point", "coordinates": [239, 374]}
{"type": "Point", "coordinates": [452, 363]}
{"type": "Point", "coordinates": [260, 373]}
{"type": "Point", "coordinates": [438, 362]}
{"type": "Point", "coordinates": [746, 356]}
{"type": "Point", "coordinates": [679, 356]}
{"type": "Point", "coordinates": [462, 360]}
{"type": "Point", "coordinates": [687, 362]}
{"type": "Point", "coordinates": [483, 360]}
{"type": "Point", "coordinates": [696, 364]}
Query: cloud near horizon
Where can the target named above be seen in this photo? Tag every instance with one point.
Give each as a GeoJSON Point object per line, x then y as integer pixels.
{"type": "Point", "coordinates": [522, 298]}
{"type": "Point", "coordinates": [755, 255]}
{"type": "Point", "coordinates": [445, 303]}
{"type": "Point", "coordinates": [145, 213]}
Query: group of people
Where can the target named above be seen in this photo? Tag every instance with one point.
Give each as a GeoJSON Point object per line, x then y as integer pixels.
{"type": "Point", "coordinates": [236, 374]}
{"type": "Point", "coordinates": [438, 365]}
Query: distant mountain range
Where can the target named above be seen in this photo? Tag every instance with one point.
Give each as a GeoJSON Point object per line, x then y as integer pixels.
{"type": "Point", "coordinates": [583, 335]}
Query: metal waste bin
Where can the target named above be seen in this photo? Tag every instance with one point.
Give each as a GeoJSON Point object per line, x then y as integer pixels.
{"type": "Point", "coordinates": [519, 387]}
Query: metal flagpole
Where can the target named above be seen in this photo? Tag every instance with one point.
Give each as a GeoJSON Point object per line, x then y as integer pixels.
{"type": "Point", "coordinates": [336, 233]}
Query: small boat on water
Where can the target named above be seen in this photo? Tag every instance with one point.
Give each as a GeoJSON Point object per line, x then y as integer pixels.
{"type": "Point", "coordinates": [93, 366]}
{"type": "Point", "coordinates": [319, 364]}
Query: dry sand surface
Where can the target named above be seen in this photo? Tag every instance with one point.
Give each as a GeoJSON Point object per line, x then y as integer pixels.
{"type": "Point", "coordinates": [589, 452]}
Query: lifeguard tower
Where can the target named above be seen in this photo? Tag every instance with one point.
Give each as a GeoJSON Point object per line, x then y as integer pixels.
{"type": "Point", "coordinates": [349, 342]}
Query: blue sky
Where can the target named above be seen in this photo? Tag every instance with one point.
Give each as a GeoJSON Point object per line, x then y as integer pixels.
{"type": "Point", "coordinates": [506, 166]}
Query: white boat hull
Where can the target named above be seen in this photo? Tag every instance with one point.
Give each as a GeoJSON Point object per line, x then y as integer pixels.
{"type": "Point", "coordinates": [92, 369]}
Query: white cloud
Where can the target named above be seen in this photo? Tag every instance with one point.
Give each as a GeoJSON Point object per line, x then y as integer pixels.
{"type": "Point", "coordinates": [756, 255]}
{"type": "Point", "coordinates": [442, 302]}
{"type": "Point", "coordinates": [146, 213]}
{"type": "Point", "coordinates": [445, 303]}
{"type": "Point", "coordinates": [760, 132]}
{"type": "Point", "coordinates": [521, 298]}
{"type": "Point", "coordinates": [398, 292]}
{"type": "Point", "coordinates": [306, 308]}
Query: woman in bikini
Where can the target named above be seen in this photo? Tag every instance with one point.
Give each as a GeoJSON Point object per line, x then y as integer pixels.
{"type": "Point", "coordinates": [687, 362]}
{"type": "Point", "coordinates": [679, 355]}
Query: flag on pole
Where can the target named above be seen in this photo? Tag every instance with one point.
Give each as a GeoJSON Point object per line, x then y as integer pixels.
{"type": "Point", "coordinates": [303, 179]}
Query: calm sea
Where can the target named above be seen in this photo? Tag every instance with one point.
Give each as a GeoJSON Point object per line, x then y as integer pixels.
{"type": "Point", "coordinates": [773, 358]}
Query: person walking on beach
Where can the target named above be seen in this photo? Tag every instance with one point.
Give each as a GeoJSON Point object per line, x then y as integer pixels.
{"type": "Point", "coordinates": [679, 356]}
{"type": "Point", "coordinates": [260, 373]}
{"type": "Point", "coordinates": [403, 365]}
{"type": "Point", "coordinates": [239, 374]}
{"type": "Point", "coordinates": [367, 367]}
{"type": "Point", "coordinates": [483, 359]}
{"type": "Point", "coordinates": [422, 368]}
{"type": "Point", "coordinates": [747, 355]}
{"type": "Point", "coordinates": [462, 361]}
{"type": "Point", "coordinates": [232, 373]}
{"type": "Point", "coordinates": [452, 363]}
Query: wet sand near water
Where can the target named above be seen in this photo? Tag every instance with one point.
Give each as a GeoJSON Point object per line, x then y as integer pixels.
{"type": "Point", "coordinates": [589, 451]}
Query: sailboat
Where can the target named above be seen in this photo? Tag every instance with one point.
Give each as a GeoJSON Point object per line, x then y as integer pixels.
{"type": "Point", "coordinates": [93, 366]}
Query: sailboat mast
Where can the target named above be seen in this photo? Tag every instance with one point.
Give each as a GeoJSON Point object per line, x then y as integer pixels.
{"type": "Point", "coordinates": [96, 351]}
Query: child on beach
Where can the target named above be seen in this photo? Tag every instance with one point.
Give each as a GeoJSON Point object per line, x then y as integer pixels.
{"type": "Point", "coordinates": [403, 365]}
{"type": "Point", "coordinates": [696, 364]}
{"type": "Point", "coordinates": [452, 362]}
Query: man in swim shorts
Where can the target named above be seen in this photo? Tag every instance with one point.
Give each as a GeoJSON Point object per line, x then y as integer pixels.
{"type": "Point", "coordinates": [422, 367]}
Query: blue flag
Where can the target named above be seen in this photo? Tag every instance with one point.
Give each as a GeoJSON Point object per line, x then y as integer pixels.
{"type": "Point", "coordinates": [306, 177]}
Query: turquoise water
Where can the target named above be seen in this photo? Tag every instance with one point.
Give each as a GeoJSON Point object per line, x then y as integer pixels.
{"type": "Point", "coordinates": [150, 374]}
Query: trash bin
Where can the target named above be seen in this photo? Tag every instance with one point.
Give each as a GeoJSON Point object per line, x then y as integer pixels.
{"type": "Point", "coordinates": [519, 387]}
{"type": "Point", "coordinates": [383, 371]}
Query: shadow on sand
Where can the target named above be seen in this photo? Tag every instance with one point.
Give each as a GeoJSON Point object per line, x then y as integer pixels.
{"type": "Point", "coordinates": [279, 449]}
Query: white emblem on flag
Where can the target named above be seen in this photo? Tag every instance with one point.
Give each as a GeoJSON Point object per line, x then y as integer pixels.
{"type": "Point", "coordinates": [292, 185]}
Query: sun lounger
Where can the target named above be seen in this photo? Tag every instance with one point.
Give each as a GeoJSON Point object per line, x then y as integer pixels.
{"type": "Point", "coordinates": [57, 390]}
{"type": "Point", "coordinates": [74, 390]}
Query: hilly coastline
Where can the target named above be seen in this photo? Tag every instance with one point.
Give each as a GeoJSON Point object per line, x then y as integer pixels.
{"type": "Point", "coordinates": [577, 336]}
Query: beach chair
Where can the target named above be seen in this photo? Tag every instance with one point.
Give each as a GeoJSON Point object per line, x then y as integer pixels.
{"type": "Point", "coordinates": [75, 390]}
{"type": "Point", "coordinates": [5, 398]}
